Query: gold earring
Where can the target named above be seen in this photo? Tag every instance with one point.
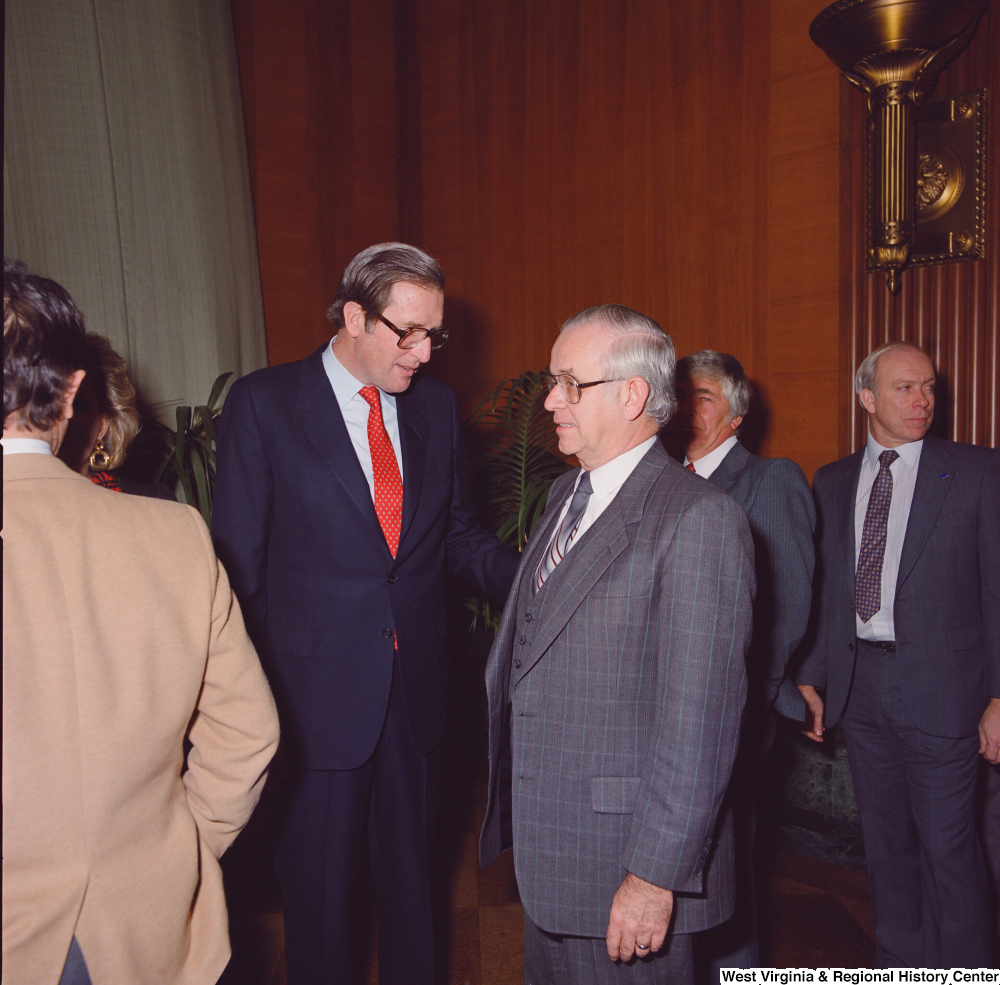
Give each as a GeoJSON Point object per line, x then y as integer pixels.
{"type": "Point", "coordinates": [99, 458]}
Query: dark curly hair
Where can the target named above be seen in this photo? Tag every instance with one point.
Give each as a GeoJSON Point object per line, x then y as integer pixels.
{"type": "Point", "coordinates": [43, 345]}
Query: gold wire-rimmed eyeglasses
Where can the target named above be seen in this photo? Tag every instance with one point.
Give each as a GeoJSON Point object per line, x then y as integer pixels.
{"type": "Point", "coordinates": [568, 386]}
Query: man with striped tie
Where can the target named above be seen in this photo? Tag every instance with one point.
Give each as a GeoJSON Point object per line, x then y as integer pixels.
{"type": "Point", "coordinates": [617, 678]}
{"type": "Point", "coordinates": [907, 649]}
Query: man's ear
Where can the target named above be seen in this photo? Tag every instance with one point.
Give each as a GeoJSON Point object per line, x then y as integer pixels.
{"type": "Point", "coordinates": [636, 392]}
{"type": "Point", "coordinates": [354, 319]}
{"type": "Point", "coordinates": [868, 400]}
{"type": "Point", "coordinates": [736, 422]}
{"type": "Point", "coordinates": [70, 394]}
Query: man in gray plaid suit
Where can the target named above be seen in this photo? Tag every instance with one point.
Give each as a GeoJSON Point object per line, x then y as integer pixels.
{"type": "Point", "coordinates": [617, 679]}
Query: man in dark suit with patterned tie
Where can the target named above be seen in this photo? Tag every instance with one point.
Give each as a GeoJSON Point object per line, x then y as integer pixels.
{"type": "Point", "coordinates": [713, 397]}
{"type": "Point", "coordinates": [617, 679]}
{"type": "Point", "coordinates": [342, 504]}
{"type": "Point", "coordinates": [907, 650]}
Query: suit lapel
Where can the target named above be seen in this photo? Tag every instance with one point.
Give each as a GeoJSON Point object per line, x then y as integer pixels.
{"type": "Point", "coordinates": [542, 534]}
{"type": "Point", "coordinates": [413, 432]}
{"type": "Point", "coordinates": [934, 475]}
{"type": "Point", "coordinates": [844, 497]}
{"type": "Point", "coordinates": [728, 470]}
{"type": "Point", "coordinates": [571, 582]}
{"type": "Point", "coordinates": [323, 423]}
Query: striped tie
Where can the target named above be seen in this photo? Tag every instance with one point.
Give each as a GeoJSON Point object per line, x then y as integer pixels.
{"type": "Point", "coordinates": [561, 539]}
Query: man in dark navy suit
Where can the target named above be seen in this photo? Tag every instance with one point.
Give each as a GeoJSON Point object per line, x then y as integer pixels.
{"type": "Point", "coordinates": [342, 505]}
{"type": "Point", "coordinates": [907, 648]}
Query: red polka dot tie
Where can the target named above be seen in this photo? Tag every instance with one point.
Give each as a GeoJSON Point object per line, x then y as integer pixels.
{"type": "Point", "coordinates": [868, 583]}
{"type": "Point", "coordinates": [690, 467]}
{"type": "Point", "coordinates": [388, 484]}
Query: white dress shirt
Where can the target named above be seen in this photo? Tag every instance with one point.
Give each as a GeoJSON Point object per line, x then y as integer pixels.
{"type": "Point", "coordinates": [25, 446]}
{"type": "Point", "coordinates": [904, 480]}
{"type": "Point", "coordinates": [355, 409]}
{"type": "Point", "coordinates": [605, 480]}
{"type": "Point", "coordinates": [706, 465]}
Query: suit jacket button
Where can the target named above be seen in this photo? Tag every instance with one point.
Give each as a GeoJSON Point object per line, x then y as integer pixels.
{"type": "Point", "coordinates": [850, 646]}
{"type": "Point", "coordinates": [517, 664]}
{"type": "Point", "coordinates": [527, 617]}
{"type": "Point", "coordinates": [392, 579]}
{"type": "Point", "coordinates": [387, 633]}
{"type": "Point", "coordinates": [522, 641]}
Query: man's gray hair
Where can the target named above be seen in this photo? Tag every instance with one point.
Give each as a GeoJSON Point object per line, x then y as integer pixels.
{"type": "Point", "coordinates": [368, 278]}
{"type": "Point", "coordinates": [721, 368]}
{"type": "Point", "coordinates": [639, 347]}
{"type": "Point", "coordinates": [866, 377]}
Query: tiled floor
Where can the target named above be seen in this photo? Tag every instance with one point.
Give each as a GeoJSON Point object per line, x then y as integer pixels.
{"type": "Point", "coordinates": [820, 914]}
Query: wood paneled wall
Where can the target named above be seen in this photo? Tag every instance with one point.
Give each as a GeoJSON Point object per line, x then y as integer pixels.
{"type": "Point", "coordinates": [579, 153]}
{"type": "Point", "coordinates": [950, 310]}
{"type": "Point", "coordinates": [678, 158]}
{"type": "Point", "coordinates": [802, 325]}
{"type": "Point", "coordinates": [319, 97]}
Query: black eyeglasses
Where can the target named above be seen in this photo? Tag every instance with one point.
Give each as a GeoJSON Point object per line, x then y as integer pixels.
{"type": "Point", "coordinates": [569, 388]}
{"type": "Point", "coordinates": [410, 338]}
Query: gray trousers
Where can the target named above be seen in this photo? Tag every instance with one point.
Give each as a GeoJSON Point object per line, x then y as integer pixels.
{"type": "Point", "coordinates": [550, 959]}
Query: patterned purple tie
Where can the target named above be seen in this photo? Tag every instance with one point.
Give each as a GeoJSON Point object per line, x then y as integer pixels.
{"type": "Point", "coordinates": [559, 543]}
{"type": "Point", "coordinates": [868, 583]}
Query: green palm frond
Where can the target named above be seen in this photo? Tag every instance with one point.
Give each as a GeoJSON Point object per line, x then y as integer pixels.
{"type": "Point", "coordinates": [513, 445]}
{"type": "Point", "coordinates": [512, 448]}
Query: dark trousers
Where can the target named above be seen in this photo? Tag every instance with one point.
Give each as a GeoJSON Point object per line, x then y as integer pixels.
{"type": "Point", "coordinates": [736, 943]}
{"type": "Point", "coordinates": [990, 828]}
{"type": "Point", "coordinates": [391, 803]}
{"type": "Point", "coordinates": [551, 959]}
{"type": "Point", "coordinates": [916, 796]}
{"type": "Point", "coordinates": [75, 970]}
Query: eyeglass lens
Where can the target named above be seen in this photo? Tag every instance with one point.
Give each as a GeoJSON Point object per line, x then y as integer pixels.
{"type": "Point", "coordinates": [415, 336]}
{"type": "Point", "coordinates": [568, 386]}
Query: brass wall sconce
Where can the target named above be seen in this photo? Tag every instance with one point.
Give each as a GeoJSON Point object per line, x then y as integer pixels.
{"type": "Point", "coordinates": [893, 50]}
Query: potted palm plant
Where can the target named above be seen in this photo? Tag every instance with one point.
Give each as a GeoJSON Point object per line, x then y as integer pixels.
{"type": "Point", "coordinates": [512, 445]}
{"type": "Point", "coordinates": [183, 456]}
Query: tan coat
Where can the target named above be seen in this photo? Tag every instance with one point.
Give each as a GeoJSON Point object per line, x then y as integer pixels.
{"type": "Point", "coordinates": [120, 632]}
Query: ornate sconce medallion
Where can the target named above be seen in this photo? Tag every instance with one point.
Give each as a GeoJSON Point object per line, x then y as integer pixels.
{"type": "Point", "coordinates": [951, 180]}
{"type": "Point", "coordinates": [926, 180]}
{"type": "Point", "coordinates": [950, 205]}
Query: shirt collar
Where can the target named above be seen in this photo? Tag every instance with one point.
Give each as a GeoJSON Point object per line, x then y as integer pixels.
{"type": "Point", "coordinates": [909, 453]}
{"type": "Point", "coordinates": [707, 464]}
{"type": "Point", "coordinates": [345, 386]}
{"type": "Point", "coordinates": [610, 476]}
{"type": "Point", "coordinates": [25, 446]}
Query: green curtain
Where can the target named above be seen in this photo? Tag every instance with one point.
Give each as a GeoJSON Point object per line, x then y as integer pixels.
{"type": "Point", "coordinates": [126, 179]}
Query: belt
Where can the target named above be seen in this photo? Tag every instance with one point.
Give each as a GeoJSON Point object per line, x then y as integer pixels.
{"type": "Point", "coordinates": [883, 646]}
